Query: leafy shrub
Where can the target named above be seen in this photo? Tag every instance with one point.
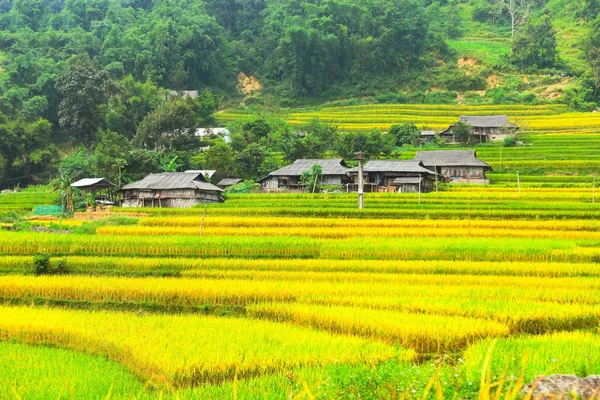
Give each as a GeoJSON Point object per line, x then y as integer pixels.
{"type": "Point", "coordinates": [243, 187]}
{"type": "Point", "coordinates": [510, 141]}
{"type": "Point", "coordinates": [391, 98]}
{"type": "Point", "coordinates": [41, 264]}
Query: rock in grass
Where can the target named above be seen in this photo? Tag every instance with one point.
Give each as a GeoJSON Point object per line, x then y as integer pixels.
{"type": "Point", "coordinates": [564, 387]}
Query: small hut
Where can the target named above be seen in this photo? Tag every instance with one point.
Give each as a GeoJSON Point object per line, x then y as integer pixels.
{"type": "Point", "coordinates": [227, 182]}
{"type": "Point", "coordinates": [171, 189]}
{"type": "Point", "coordinates": [102, 189]}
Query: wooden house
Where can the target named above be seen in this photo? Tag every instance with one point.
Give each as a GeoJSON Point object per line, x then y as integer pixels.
{"type": "Point", "coordinates": [334, 173]}
{"type": "Point", "coordinates": [394, 176]}
{"type": "Point", "coordinates": [227, 182]}
{"type": "Point", "coordinates": [485, 129]}
{"type": "Point", "coordinates": [171, 189]}
{"type": "Point", "coordinates": [459, 166]}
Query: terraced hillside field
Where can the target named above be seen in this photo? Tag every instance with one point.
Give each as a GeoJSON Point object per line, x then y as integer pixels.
{"type": "Point", "coordinates": [542, 118]}
{"type": "Point", "coordinates": [290, 295]}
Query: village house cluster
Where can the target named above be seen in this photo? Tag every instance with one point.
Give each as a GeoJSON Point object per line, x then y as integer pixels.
{"type": "Point", "coordinates": [186, 189]}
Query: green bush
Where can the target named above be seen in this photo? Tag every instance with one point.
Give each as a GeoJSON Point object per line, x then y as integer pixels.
{"type": "Point", "coordinates": [41, 264]}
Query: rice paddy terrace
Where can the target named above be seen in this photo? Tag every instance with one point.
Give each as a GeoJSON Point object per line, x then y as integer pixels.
{"type": "Point", "coordinates": [468, 292]}
{"type": "Point", "coordinates": [294, 295]}
{"type": "Point", "coordinates": [557, 148]}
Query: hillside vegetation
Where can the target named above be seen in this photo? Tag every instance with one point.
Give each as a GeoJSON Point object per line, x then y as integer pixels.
{"type": "Point", "coordinates": [85, 86]}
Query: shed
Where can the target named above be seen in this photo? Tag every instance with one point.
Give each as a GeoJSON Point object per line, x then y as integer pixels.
{"type": "Point", "coordinates": [171, 189]}
{"type": "Point", "coordinates": [427, 136]}
{"type": "Point", "coordinates": [490, 128]}
{"type": "Point", "coordinates": [402, 176]}
{"type": "Point", "coordinates": [334, 173]}
{"type": "Point", "coordinates": [93, 184]}
{"type": "Point", "coordinates": [225, 183]}
{"type": "Point", "coordinates": [459, 166]}
{"type": "Point", "coordinates": [102, 189]}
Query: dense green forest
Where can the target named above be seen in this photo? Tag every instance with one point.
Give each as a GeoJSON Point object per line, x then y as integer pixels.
{"type": "Point", "coordinates": [95, 73]}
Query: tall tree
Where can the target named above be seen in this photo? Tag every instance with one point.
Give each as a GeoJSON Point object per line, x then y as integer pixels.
{"type": "Point", "coordinates": [171, 126]}
{"type": "Point", "coordinates": [535, 45]}
{"type": "Point", "coordinates": [83, 88]}
{"type": "Point", "coordinates": [518, 10]}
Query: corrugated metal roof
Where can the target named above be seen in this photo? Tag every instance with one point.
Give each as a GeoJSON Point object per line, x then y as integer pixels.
{"type": "Point", "coordinates": [172, 180]}
{"type": "Point", "coordinates": [450, 158]}
{"type": "Point", "coordinates": [333, 166]}
{"type": "Point", "coordinates": [394, 166]}
{"type": "Point", "coordinates": [229, 182]}
{"type": "Point", "coordinates": [87, 182]}
{"type": "Point", "coordinates": [488, 121]}
{"type": "Point", "coordinates": [407, 181]}
{"type": "Point", "coordinates": [427, 133]}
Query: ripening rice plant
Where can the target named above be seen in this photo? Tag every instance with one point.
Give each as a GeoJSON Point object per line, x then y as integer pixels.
{"type": "Point", "coordinates": [423, 332]}
{"type": "Point", "coordinates": [184, 351]}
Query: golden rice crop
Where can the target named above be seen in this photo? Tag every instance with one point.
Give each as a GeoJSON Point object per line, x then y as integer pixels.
{"type": "Point", "coordinates": [525, 304]}
{"type": "Point", "coordinates": [424, 333]}
{"type": "Point", "coordinates": [337, 233]}
{"type": "Point", "coordinates": [188, 350]}
{"type": "Point", "coordinates": [278, 222]}
{"type": "Point", "coordinates": [337, 270]}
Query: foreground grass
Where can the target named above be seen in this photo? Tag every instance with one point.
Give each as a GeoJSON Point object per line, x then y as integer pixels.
{"type": "Point", "coordinates": [39, 372]}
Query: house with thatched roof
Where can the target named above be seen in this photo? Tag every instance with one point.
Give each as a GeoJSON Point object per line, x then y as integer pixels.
{"type": "Point", "coordinates": [394, 176]}
{"type": "Point", "coordinates": [334, 172]}
{"type": "Point", "coordinates": [171, 189]}
{"type": "Point", "coordinates": [459, 166]}
{"type": "Point", "coordinates": [492, 128]}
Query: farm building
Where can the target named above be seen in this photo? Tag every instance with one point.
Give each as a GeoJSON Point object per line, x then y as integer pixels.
{"type": "Point", "coordinates": [427, 136]}
{"type": "Point", "coordinates": [334, 173]}
{"type": "Point", "coordinates": [102, 189]}
{"type": "Point", "coordinates": [459, 166]}
{"type": "Point", "coordinates": [227, 182]}
{"type": "Point", "coordinates": [394, 176]}
{"type": "Point", "coordinates": [171, 189]}
{"type": "Point", "coordinates": [485, 129]}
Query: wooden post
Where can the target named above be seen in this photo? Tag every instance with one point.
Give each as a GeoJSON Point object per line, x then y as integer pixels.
{"type": "Point", "coordinates": [420, 179]}
{"type": "Point", "coordinates": [202, 221]}
{"type": "Point", "coordinates": [518, 182]}
{"type": "Point", "coordinates": [594, 190]}
{"type": "Point", "coordinates": [361, 184]}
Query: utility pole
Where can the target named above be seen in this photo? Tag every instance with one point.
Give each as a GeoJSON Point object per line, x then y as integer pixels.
{"type": "Point", "coordinates": [594, 190]}
{"type": "Point", "coordinates": [360, 156]}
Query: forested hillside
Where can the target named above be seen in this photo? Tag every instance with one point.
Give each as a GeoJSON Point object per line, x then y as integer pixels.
{"type": "Point", "coordinates": [95, 72]}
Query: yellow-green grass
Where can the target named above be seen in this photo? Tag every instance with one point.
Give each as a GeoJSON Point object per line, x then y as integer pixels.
{"type": "Point", "coordinates": [185, 351]}
{"type": "Point", "coordinates": [41, 373]}
{"type": "Point", "coordinates": [558, 353]}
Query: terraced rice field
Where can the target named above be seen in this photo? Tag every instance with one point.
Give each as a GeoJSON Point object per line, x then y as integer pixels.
{"type": "Point", "coordinates": [543, 118]}
{"type": "Point", "coordinates": [291, 295]}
